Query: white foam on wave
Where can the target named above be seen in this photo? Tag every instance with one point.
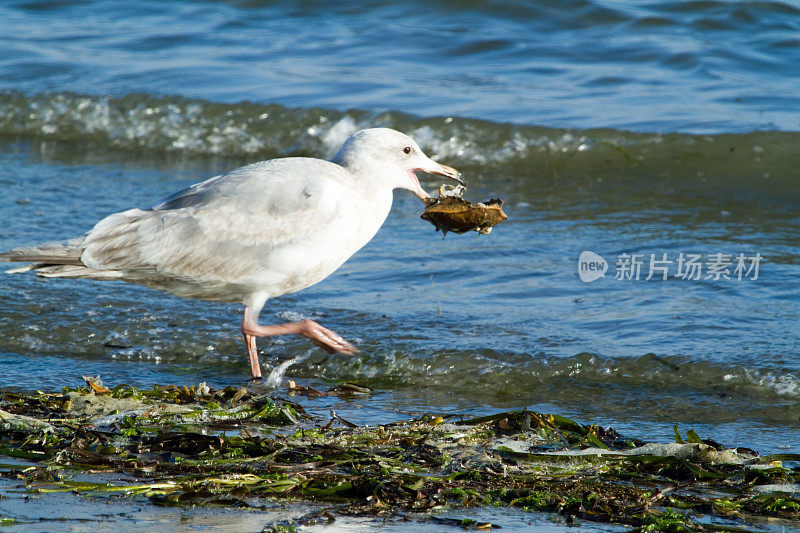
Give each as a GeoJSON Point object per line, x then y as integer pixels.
{"type": "Point", "coordinates": [466, 145]}
{"type": "Point", "coordinates": [136, 122]}
{"type": "Point", "coordinates": [201, 127]}
{"type": "Point", "coordinates": [275, 377]}
{"type": "Point", "coordinates": [333, 134]}
{"type": "Point", "coordinates": [784, 384]}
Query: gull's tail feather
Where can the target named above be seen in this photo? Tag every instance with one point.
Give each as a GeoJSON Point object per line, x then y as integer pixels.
{"type": "Point", "coordinates": [71, 271]}
{"type": "Point", "coordinates": [48, 259]}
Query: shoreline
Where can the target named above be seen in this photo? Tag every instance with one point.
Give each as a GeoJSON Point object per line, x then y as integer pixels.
{"type": "Point", "coordinates": [233, 449]}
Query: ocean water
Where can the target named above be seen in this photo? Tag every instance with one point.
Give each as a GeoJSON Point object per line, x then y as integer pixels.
{"type": "Point", "coordinates": [649, 129]}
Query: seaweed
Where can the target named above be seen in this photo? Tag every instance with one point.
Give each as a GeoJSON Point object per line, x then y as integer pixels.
{"type": "Point", "coordinates": [187, 446]}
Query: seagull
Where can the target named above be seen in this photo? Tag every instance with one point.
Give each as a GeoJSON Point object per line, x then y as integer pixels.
{"type": "Point", "coordinates": [251, 234]}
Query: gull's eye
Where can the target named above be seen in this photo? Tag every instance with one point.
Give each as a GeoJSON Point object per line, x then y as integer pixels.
{"type": "Point", "coordinates": [407, 150]}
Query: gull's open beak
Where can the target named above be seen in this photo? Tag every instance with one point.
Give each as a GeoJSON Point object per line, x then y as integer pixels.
{"type": "Point", "coordinates": [443, 170]}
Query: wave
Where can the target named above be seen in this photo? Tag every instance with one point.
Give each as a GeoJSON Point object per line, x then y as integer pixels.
{"type": "Point", "coordinates": [178, 124]}
{"type": "Point", "coordinates": [750, 166]}
{"type": "Point", "coordinates": [649, 384]}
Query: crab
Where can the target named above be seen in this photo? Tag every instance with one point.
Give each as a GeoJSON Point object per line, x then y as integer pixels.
{"type": "Point", "coordinates": [450, 212]}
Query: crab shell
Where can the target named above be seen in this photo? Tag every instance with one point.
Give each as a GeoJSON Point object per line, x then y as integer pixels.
{"type": "Point", "coordinates": [455, 214]}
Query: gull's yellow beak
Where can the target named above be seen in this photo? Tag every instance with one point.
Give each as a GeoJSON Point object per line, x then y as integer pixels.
{"type": "Point", "coordinates": [444, 170]}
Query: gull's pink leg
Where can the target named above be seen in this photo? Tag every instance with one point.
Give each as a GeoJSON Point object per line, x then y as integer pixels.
{"type": "Point", "coordinates": [255, 366]}
{"type": "Point", "coordinates": [322, 337]}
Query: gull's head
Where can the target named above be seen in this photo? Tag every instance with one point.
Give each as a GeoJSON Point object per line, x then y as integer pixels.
{"type": "Point", "coordinates": [391, 157]}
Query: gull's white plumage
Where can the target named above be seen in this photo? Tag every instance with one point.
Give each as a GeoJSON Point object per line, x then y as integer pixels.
{"type": "Point", "coordinates": [254, 233]}
{"type": "Point", "coordinates": [260, 231]}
